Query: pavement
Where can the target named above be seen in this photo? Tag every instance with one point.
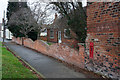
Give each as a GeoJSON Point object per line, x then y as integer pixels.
{"type": "Point", "coordinates": [48, 67]}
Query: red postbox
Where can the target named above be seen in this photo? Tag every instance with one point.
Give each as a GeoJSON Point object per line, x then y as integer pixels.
{"type": "Point", "coordinates": [91, 49]}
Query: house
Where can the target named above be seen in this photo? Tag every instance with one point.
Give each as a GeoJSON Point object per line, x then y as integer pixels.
{"type": "Point", "coordinates": [8, 34]}
{"type": "Point", "coordinates": [58, 32]}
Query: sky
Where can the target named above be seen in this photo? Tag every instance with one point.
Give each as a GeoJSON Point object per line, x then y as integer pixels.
{"type": "Point", "coordinates": [3, 6]}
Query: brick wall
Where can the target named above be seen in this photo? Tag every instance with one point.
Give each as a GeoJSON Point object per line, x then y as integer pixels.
{"type": "Point", "coordinates": [103, 30]}
{"type": "Point", "coordinates": [38, 45]}
{"type": "Point", "coordinates": [65, 53]}
{"type": "Point", "coordinates": [58, 51]}
{"type": "Point", "coordinates": [17, 40]}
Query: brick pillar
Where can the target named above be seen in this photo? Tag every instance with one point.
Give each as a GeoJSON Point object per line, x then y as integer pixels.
{"type": "Point", "coordinates": [22, 41]}
{"type": "Point", "coordinates": [81, 54]}
{"type": "Point", "coordinates": [13, 39]}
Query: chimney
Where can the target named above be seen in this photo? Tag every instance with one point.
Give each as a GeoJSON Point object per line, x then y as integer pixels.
{"type": "Point", "coordinates": [55, 17]}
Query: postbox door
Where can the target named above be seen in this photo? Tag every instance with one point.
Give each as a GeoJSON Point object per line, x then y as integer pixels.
{"type": "Point", "coordinates": [91, 49]}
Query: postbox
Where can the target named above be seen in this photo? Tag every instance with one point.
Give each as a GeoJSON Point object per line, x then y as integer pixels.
{"type": "Point", "coordinates": [91, 50]}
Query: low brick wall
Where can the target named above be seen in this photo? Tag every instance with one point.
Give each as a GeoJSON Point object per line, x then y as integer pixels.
{"type": "Point", "coordinates": [17, 40]}
{"type": "Point", "coordinates": [58, 51]}
{"type": "Point", "coordinates": [38, 45]}
{"type": "Point", "coordinates": [65, 53]}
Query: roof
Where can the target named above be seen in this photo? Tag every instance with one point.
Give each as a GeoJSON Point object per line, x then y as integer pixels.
{"type": "Point", "coordinates": [59, 23]}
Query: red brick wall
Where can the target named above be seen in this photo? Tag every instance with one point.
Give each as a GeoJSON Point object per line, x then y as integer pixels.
{"type": "Point", "coordinates": [17, 40]}
{"type": "Point", "coordinates": [38, 45]}
{"type": "Point", "coordinates": [103, 30]}
{"type": "Point", "coordinates": [59, 51]}
{"type": "Point", "coordinates": [103, 17]}
{"type": "Point", "coordinates": [65, 53]}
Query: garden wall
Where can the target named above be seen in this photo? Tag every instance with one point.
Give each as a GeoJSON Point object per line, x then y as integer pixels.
{"type": "Point", "coordinates": [17, 40]}
{"type": "Point", "coordinates": [58, 51]}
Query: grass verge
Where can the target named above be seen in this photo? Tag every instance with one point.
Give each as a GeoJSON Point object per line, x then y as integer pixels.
{"type": "Point", "coordinates": [12, 68]}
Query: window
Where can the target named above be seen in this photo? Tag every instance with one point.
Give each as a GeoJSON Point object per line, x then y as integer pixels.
{"type": "Point", "coordinates": [43, 32]}
{"type": "Point", "coordinates": [51, 33]}
{"type": "Point", "coordinates": [66, 33]}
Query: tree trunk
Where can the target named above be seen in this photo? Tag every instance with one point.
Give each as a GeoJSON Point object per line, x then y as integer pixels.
{"type": "Point", "coordinates": [38, 35]}
{"type": "Point", "coordinates": [22, 41]}
{"type": "Point", "coordinates": [26, 36]}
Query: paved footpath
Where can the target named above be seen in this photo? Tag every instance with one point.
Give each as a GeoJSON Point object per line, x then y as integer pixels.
{"type": "Point", "coordinates": [48, 67]}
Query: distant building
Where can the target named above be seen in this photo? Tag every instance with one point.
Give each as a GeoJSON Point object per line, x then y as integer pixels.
{"type": "Point", "coordinates": [8, 34]}
{"type": "Point", "coordinates": [59, 32]}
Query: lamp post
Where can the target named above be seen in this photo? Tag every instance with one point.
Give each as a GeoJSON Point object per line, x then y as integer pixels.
{"type": "Point", "coordinates": [4, 27]}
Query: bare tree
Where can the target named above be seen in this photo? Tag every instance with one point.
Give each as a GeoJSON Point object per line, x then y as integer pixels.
{"type": "Point", "coordinates": [25, 20]}
{"type": "Point", "coordinates": [30, 18]}
{"type": "Point", "coordinates": [40, 12]}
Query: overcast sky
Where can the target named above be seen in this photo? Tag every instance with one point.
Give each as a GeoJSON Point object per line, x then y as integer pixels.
{"type": "Point", "coordinates": [3, 6]}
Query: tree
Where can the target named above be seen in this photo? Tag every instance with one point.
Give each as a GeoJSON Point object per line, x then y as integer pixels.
{"type": "Point", "coordinates": [76, 17]}
{"type": "Point", "coordinates": [40, 14]}
{"type": "Point", "coordinates": [15, 6]}
{"type": "Point", "coordinates": [11, 9]}
{"type": "Point", "coordinates": [24, 21]}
